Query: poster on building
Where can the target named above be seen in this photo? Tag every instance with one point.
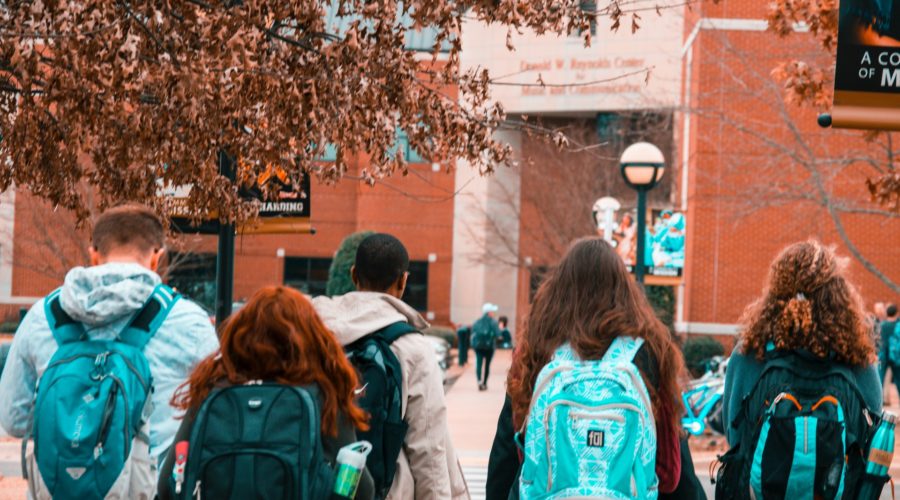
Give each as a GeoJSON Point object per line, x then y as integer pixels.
{"type": "Point", "coordinates": [287, 212]}
{"type": "Point", "coordinates": [867, 71]}
{"type": "Point", "coordinates": [663, 246]}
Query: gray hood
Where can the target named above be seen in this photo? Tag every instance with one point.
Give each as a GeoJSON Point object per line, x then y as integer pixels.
{"type": "Point", "coordinates": [357, 314]}
{"type": "Point", "coordinates": [101, 295]}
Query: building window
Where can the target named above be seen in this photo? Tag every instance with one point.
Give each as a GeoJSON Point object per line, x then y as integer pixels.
{"type": "Point", "coordinates": [194, 276]}
{"type": "Point", "coordinates": [416, 294]}
{"type": "Point", "coordinates": [307, 274]}
{"type": "Point", "coordinates": [590, 6]}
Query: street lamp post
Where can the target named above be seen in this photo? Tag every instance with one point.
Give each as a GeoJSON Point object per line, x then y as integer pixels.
{"type": "Point", "coordinates": [642, 166]}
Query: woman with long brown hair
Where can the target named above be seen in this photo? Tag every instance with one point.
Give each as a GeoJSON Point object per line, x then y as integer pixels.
{"type": "Point", "coordinates": [588, 302]}
{"type": "Point", "coordinates": [278, 337]}
{"type": "Point", "coordinates": [805, 344]}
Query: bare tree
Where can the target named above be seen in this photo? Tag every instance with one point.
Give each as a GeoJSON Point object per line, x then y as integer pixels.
{"type": "Point", "coordinates": [126, 96]}
{"type": "Point", "coordinates": [791, 164]}
{"type": "Point", "coordinates": [550, 206]}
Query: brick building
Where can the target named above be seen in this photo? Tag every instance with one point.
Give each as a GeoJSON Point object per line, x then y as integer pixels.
{"type": "Point", "coordinates": [751, 173]}
{"type": "Point", "coordinates": [417, 208]}
{"type": "Point", "coordinates": [758, 174]}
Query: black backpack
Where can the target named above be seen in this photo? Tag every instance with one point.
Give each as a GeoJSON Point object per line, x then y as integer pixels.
{"type": "Point", "coordinates": [260, 440]}
{"type": "Point", "coordinates": [381, 379]}
{"type": "Point", "coordinates": [482, 334]}
{"type": "Point", "coordinates": [804, 427]}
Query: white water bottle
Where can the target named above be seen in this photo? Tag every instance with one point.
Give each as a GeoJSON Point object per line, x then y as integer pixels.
{"type": "Point", "coordinates": [351, 461]}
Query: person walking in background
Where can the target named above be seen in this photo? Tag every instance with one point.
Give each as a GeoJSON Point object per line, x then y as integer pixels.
{"type": "Point", "coordinates": [485, 333]}
{"type": "Point", "coordinates": [594, 386]}
{"type": "Point", "coordinates": [424, 465]}
{"type": "Point", "coordinates": [805, 355]}
{"type": "Point", "coordinates": [117, 317]}
{"type": "Point", "coordinates": [881, 343]}
{"type": "Point", "coordinates": [278, 340]}
{"type": "Point", "coordinates": [505, 340]}
{"type": "Point", "coordinates": [463, 334]}
{"type": "Point", "coordinates": [889, 333]}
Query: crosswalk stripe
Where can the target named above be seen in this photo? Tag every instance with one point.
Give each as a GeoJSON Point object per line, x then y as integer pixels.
{"type": "Point", "coordinates": [476, 477]}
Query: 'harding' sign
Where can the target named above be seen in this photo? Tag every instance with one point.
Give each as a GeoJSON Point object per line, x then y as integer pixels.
{"type": "Point", "coordinates": [288, 212]}
{"type": "Point", "coordinates": [867, 71]}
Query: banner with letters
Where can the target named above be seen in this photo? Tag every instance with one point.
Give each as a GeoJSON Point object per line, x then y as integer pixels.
{"type": "Point", "coordinates": [287, 212]}
{"type": "Point", "coordinates": [867, 70]}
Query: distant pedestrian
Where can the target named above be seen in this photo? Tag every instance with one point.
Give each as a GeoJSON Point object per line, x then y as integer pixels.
{"type": "Point", "coordinates": [801, 378]}
{"type": "Point", "coordinates": [112, 343]}
{"type": "Point", "coordinates": [248, 432]}
{"type": "Point", "coordinates": [485, 333]}
{"type": "Point", "coordinates": [889, 333]}
{"type": "Point", "coordinates": [419, 463]}
{"type": "Point", "coordinates": [505, 340]}
{"type": "Point", "coordinates": [594, 385]}
{"type": "Point", "coordinates": [464, 335]}
{"type": "Point", "coordinates": [879, 314]}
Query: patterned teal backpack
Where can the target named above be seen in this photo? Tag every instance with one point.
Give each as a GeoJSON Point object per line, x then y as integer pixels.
{"type": "Point", "coordinates": [90, 435]}
{"type": "Point", "coordinates": [590, 431]}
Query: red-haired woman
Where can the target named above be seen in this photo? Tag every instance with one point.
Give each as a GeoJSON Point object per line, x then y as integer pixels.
{"type": "Point", "coordinates": [278, 337]}
{"type": "Point", "coordinates": [585, 305]}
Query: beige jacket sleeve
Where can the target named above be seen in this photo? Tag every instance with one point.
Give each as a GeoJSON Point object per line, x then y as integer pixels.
{"type": "Point", "coordinates": [432, 464]}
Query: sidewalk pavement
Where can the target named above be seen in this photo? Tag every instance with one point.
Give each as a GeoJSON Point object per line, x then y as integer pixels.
{"type": "Point", "coordinates": [472, 417]}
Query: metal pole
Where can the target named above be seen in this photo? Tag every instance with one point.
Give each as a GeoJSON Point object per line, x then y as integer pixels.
{"type": "Point", "coordinates": [641, 235]}
{"type": "Point", "coordinates": [225, 257]}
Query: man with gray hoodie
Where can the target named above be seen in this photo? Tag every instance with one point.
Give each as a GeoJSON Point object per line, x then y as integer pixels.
{"type": "Point", "coordinates": [126, 247]}
{"type": "Point", "coordinates": [427, 467]}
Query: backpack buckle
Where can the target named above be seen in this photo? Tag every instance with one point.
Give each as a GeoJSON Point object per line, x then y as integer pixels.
{"type": "Point", "coordinates": [99, 372]}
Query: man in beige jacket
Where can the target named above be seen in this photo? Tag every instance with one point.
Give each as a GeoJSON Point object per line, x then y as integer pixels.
{"type": "Point", "coordinates": [427, 467]}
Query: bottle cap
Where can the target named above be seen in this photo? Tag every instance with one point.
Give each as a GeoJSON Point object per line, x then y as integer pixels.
{"type": "Point", "coordinates": [355, 454]}
{"type": "Point", "coordinates": [889, 417]}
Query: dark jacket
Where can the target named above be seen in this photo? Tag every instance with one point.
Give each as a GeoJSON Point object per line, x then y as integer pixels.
{"type": "Point", "coordinates": [504, 462]}
{"type": "Point", "coordinates": [487, 326]}
{"type": "Point", "coordinates": [330, 445]}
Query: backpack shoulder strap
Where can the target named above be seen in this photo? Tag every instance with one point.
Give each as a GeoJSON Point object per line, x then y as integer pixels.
{"type": "Point", "coordinates": [62, 326]}
{"type": "Point", "coordinates": [394, 331]}
{"type": "Point", "coordinates": [622, 350]}
{"type": "Point", "coordinates": [147, 321]}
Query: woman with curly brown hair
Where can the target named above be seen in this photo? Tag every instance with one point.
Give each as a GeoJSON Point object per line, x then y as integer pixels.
{"type": "Point", "coordinates": [805, 348]}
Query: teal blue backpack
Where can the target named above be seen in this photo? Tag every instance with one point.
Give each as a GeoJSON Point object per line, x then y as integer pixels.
{"type": "Point", "coordinates": [90, 433]}
{"type": "Point", "coordinates": [590, 431]}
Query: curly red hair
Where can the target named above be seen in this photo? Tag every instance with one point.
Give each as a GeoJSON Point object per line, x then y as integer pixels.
{"type": "Point", "coordinates": [809, 304]}
{"type": "Point", "coordinates": [277, 336]}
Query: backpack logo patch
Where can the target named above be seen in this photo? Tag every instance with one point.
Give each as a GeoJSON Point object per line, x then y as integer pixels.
{"type": "Point", "coordinates": [595, 439]}
{"type": "Point", "coordinates": [75, 472]}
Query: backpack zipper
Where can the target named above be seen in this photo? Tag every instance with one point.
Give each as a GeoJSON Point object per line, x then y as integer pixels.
{"type": "Point", "coordinates": [196, 494]}
{"type": "Point", "coordinates": [805, 435]}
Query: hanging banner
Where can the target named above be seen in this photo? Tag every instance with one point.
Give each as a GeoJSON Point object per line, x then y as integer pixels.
{"type": "Point", "coordinates": [288, 212]}
{"type": "Point", "coordinates": [867, 71]}
{"type": "Point", "coordinates": [663, 243]}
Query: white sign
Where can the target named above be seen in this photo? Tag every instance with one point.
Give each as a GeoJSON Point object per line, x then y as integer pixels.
{"type": "Point", "coordinates": [611, 74]}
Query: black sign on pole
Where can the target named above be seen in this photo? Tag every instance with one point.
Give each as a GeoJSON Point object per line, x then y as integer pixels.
{"type": "Point", "coordinates": [225, 257]}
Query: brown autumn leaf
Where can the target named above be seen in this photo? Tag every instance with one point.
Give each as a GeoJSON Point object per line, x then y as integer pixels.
{"type": "Point", "coordinates": [129, 97]}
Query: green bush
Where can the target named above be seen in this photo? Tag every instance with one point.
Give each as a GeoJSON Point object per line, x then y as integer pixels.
{"type": "Point", "coordinates": [662, 298]}
{"type": "Point", "coordinates": [697, 350]}
{"type": "Point", "coordinates": [9, 326]}
{"type": "Point", "coordinates": [339, 281]}
{"type": "Point", "coordinates": [443, 332]}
